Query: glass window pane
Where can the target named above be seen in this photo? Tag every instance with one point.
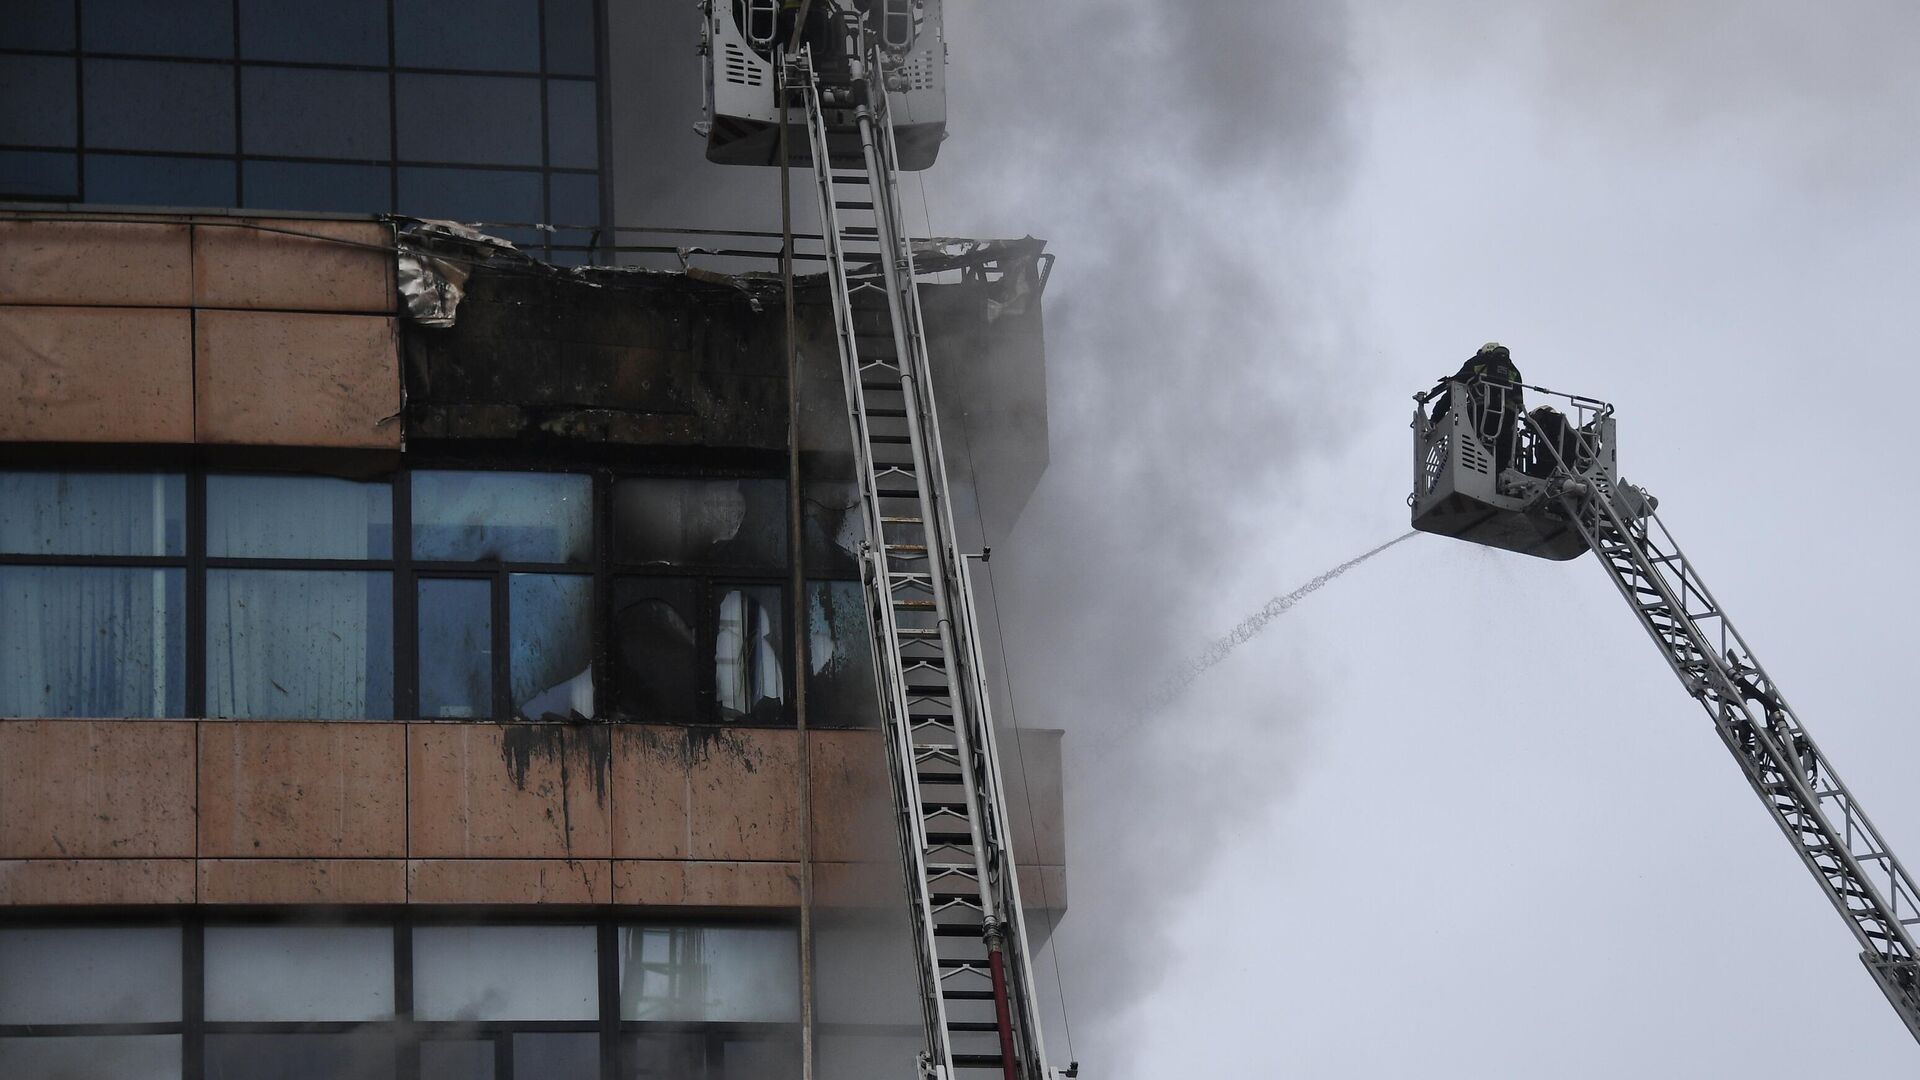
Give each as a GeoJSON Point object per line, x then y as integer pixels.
{"type": "Point", "coordinates": [475, 195]}
{"type": "Point", "coordinates": [54, 513]}
{"type": "Point", "coordinates": [469, 119]}
{"type": "Point", "coordinates": [575, 201]}
{"type": "Point", "coordinates": [557, 1055]}
{"type": "Point", "coordinates": [38, 24]}
{"type": "Point", "coordinates": [711, 973]}
{"type": "Point", "coordinates": [573, 127]}
{"type": "Point", "coordinates": [551, 617]}
{"type": "Point", "coordinates": [456, 648]}
{"type": "Point", "coordinates": [92, 641]}
{"type": "Point", "coordinates": [363, 1054]}
{"type": "Point", "coordinates": [301, 112]}
{"type": "Point", "coordinates": [90, 975]}
{"type": "Point", "coordinates": [841, 688]}
{"type": "Point", "coordinates": [490, 35]}
{"type": "Point", "coordinates": [457, 1059]}
{"type": "Point", "coordinates": [299, 973]}
{"type": "Point", "coordinates": [504, 517]}
{"type": "Point", "coordinates": [41, 177]}
{"type": "Point", "coordinates": [146, 180]}
{"type": "Point", "coordinates": [39, 92]}
{"type": "Point", "coordinates": [94, 1057]}
{"type": "Point", "coordinates": [300, 644]}
{"type": "Point", "coordinates": [175, 28]}
{"type": "Point", "coordinates": [655, 627]}
{"type": "Point", "coordinates": [293, 517]}
{"type": "Point", "coordinates": [570, 37]}
{"type": "Point", "coordinates": [505, 973]}
{"type": "Point", "coordinates": [749, 642]}
{"type": "Point", "coordinates": [158, 105]}
{"type": "Point", "coordinates": [691, 522]}
{"type": "Point", "coordinates": [337, 32]}
{"type": "Point", "coordinates": [300, 185]}
{"type": "Point", "coordinates": [765, 1057]}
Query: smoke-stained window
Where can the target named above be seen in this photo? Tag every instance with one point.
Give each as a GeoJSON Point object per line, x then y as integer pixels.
{"type": "Point", "coordinates": [365, 106]}
{"type": "Point", "coordinates": [425, 593]}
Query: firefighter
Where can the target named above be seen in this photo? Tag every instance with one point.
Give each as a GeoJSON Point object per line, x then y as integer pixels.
{"type": "Point", "coordinates": [1494, 381]}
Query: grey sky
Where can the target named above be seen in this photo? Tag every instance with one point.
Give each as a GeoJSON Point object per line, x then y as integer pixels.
{"type": "Point", "coordinates": [1452, 816]}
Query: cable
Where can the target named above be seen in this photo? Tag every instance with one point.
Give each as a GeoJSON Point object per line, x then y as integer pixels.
{"type": "Point", "coordinates": [1013, 709]}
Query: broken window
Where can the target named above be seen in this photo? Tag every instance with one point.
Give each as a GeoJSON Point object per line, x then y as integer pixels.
{"type": "Point", "coordinates": [551, 665]}
{"type": "Point", "coordinates": [749, 642]}
{"type": "Point", "coordinates": [835, 528]}
{"type": "Point", "coordinates": [687, 522]}
{"type": "Point", "coordinates": [656, 628]}
{"type": "Point", "coordinates": [840, 678]}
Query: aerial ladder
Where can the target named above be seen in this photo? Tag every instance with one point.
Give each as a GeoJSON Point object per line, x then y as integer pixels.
{"type": "Point", "coordinates": [976, 978]}
{"type": "Point", "coordinates": [1560, 496]}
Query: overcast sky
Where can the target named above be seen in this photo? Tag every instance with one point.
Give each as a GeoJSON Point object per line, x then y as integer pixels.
{"type": "Point", "coordinates": [1453, 816]}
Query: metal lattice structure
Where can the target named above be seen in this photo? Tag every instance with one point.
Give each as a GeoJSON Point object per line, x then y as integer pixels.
{"type": "Point", "coordinates": [976, 975]}
{"type": "Point", "coordinates": [1568, 478]}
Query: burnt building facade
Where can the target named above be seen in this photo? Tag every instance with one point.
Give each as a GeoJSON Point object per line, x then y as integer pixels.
{"type": "Point", "coordinates": [416, 658]}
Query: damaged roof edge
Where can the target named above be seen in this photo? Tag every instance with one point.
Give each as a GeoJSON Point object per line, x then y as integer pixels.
{"type": "Point", "coordinates": [434, 260]}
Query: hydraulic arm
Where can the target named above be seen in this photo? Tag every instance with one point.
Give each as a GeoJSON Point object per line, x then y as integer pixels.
{"type": "Point", "coordinates": [1819, 815]}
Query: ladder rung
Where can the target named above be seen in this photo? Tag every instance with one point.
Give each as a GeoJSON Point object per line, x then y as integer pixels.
{"type": "Point", "coordinates": [967, 995]}
{"type": "Point", "coordinates": [973, 1025]}
{"type": "Point", "coordinates": [914, 605]}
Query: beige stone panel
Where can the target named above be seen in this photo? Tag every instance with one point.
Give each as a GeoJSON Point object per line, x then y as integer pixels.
{"type": "Point", "coordinates": [509, 881]}
{"type": "Point", "coordinates": [76, 882]}
{"type": "Point", "coordinates": [334, 266]}
{"type": "Point", "coordinates": [303, 881]}
{"type": "Point", "coordinates": [506, 791]}
{"type": "Point", "coordinates": [106, 263]}
{"type": "Point", "coordinates": [270, 378]}
{"type": "Point", "coordinates": [743, 794]}
{"type": "Point", "coordinates": [858, 886]}
{"type": "Point", "coordinates": [651, 792]}
{"type": "Point", "coordinates": [665, 883]}
{"type": "Point", "coordinates": [852, 797]}
{"type": "Point", "coordinates": [302, 790]}
{"type": "Point", "coordinates": [87, 789]}
{"type": "Point", "coordinates": [76, 374]}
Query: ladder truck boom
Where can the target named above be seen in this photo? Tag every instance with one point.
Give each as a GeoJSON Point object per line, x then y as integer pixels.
{"type": "Point", "coordinates": [832, 92]}
{"type": "Point", "coordinates": [1564, 496]}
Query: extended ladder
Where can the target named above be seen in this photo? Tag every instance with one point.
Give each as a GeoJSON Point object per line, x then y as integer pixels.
{"type": "Point", "coordinates": [976, 975]}
{"type": "Point", "coordinates": [1826, 826]}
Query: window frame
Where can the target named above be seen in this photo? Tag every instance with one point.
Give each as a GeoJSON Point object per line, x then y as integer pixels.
{"type": "Point", "coordinates": [407, 1032]}
{"type": "Point", "coordinates": [708, 583]}
{"type": "Point", "coordinates": [574, 245]}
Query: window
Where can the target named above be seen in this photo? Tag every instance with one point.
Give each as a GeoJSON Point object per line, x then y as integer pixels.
{"type": "Point", "coordinates": [437, 594]}
{"type": "Point", "coordinates": [374, 996]}
{"type": "Point", "coordinates": [482, 110]}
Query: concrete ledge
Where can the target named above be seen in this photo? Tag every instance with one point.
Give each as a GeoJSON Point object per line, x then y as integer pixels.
{"type": "Point", "coordinates": [271, 378]}
{"type": "Point", "coordinates": [238, 267]}
{"type": "Point", "coordinates": [668, 883]}
{"type": "Point", "coordinates": [303, 881]}
{"type": "Point", "coordinates": [86, 789]}
{"type": "Point", "coordinates": [109, 263]}
{"type": "Point", "coordinates": [104, 374]}
{"type": "Point", "coordinates": [509, 881]}
{"type": "Point", "coordinates": [297, 790]}
{"type": "Point", "coordinates": [80, 882]}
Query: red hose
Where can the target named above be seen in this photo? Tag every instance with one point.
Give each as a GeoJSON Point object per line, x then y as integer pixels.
{"type": "Point", "coordinates": [1008, 1062]}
